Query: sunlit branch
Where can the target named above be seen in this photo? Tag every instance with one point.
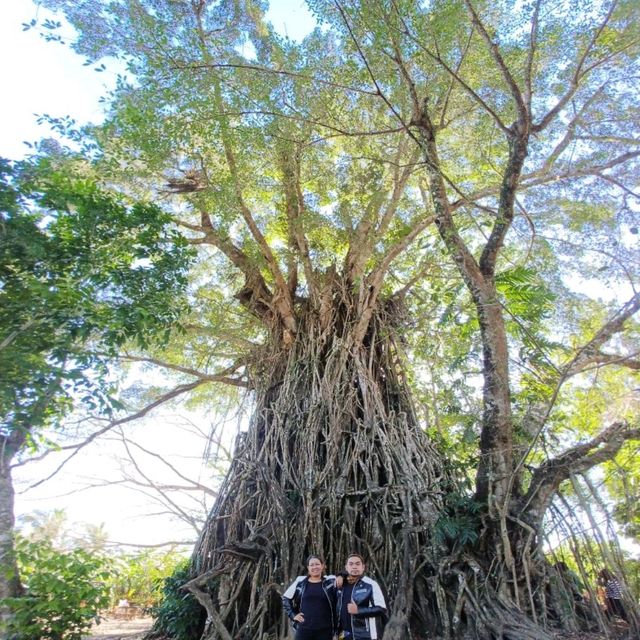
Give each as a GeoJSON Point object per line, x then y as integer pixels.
{"type": "Point", "coordinates": [615, 325]}
{"type": "Point", "coordinates": [599, 359]}
{"type": "Point", "coordinates": [289, 160]}
{"type": "Point", "coordinates": [536, 178]}
{"type": "Point", "coordinates": [578, 459]}
{"type": "Point", "coordinates": [281, 72]}
{"type": "Point", "coordinates": [592, 348]}
{"type": "Point", "coordinates": [77, 447]}
{"type": "Point", "coordinates": [533, 43]}
{"type": "Point", "coordinates": [577, 75]}
{"type": "Point", "coordinates": [497, 56]}
{"type": "Point", "coordinates": [633, 142]}
{"type": "Point", "coordinates": [455, 76]}
{"type": "Point", "coordinates": [223, 376]}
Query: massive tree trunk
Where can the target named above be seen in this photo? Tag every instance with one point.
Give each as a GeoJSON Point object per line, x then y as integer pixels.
{"type": "Point", "coordinates": [334, 461]}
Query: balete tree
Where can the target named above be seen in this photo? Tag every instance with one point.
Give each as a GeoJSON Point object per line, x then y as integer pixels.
{"type": "Point", "coordinates": [418, 200]}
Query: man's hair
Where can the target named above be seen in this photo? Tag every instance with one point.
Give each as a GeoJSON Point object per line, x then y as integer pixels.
{"type": "Point", "coordinates": [356, 555]}
{"type": "Point", "coordinates": [314, 557]}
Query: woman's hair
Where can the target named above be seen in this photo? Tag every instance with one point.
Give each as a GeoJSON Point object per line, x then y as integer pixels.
{"type": "Point", "coordinates": [314, 557]}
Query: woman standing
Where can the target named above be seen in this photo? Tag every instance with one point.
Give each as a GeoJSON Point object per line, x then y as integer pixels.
{"type": "Point", "coordinates": [310, 601]}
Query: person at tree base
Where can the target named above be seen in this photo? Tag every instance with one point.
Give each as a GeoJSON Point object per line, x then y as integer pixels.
{"type": "Point", "coordinates": [361, 605]}
{"type": "Point", "coordinates": [310, 602]}
{"type": "Point", "coordinates": [613, 595]}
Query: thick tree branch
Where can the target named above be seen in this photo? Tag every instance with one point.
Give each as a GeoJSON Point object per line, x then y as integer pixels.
{"type": "Point", "coordinates": [256, 294]}
{"type": "Point", "coordinates": [534, 179]}
{"type": "Point", "coordinates": [400, 180]}
{"type": "Point", "coordinates": [361, 245]}
{"type": "Point", "coordinates": [282, 300]}
{"type": "Point", "coordinates": [548, 476]}
{"type": "Point", "coordinates": [77, 447]}
{"type": "Point", "coordinates": [372, 225]}
{"type": "Point", "coordinates": [586, 356]}
{"type": "Point", "coordinates": [599, 359]}
{"type": "Point", "coordinates": [538, 178]}
{"type": "Point", "coordinates": [375, 280]}
{"type": "Point", "coordinates": [591, 349]}
{"type": "Point", "coordinates": [289, 160]}
{"type": "Point", "coordinates": [508, 190]}
{"type": "Point", "coordinates": [464, 259]}
{"type": "Point", "coordinates": [523, 113]}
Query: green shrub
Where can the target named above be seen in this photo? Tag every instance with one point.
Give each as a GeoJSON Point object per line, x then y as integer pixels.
{"type": "Point", "coordinates": [64, 590]}
{"type": "Point", "coordinates": [139, 577]}
{"type": "Point", "coordinates": [179, 615]}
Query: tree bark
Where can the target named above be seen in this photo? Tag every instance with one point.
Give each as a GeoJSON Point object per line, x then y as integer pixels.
{"type": "Point", "coordinates": [334, 462]}
{"type": "Point", "coordinates": [10, 586]}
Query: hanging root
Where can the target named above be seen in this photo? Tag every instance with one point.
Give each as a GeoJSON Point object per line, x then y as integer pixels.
{"type": "Point", "coordinates": [333, 462]}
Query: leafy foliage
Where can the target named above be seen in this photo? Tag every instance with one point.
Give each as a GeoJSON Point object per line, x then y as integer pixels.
{"type": "Point", "coordinates": [139, 577]}
{"type": "Point", "coordinates": [178, 614]}
{"type": "Point", "coordinates": [474, 163]}
{"type": "Point", "coordinates": [81, 273]}
{"type": "Point", "coordinates": [64, 592]}
{"type": "Point", "coordinates": [459, 522]}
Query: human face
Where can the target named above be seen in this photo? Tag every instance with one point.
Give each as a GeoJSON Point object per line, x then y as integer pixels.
{"type": "Point", "coordinates": [315, 568]}
{"type": "Point", "coordinates": [354, 566]}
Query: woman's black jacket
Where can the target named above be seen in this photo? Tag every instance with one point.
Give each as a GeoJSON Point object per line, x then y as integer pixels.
{"type": "Point", "coordinates": [292, 597]}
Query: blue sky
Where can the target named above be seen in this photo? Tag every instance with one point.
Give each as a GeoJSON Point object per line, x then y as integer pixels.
{"type": "Point", "coordinates": [41, 77]}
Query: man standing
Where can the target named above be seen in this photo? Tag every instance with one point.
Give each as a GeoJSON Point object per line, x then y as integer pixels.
{"type": "Point", "coordinates": [361, 605]}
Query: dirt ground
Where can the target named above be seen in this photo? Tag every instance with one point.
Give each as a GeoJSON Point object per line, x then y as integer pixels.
{"type": "Point", "coordinates": [114, 629]}
{"type": "Point", "coordinates": [135, 629]}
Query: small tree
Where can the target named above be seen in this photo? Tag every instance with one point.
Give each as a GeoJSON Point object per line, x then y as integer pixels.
{"type": "Point", "coordinates": [82, 272]}
{"type": "Point", "coordinates": [63, 592]}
